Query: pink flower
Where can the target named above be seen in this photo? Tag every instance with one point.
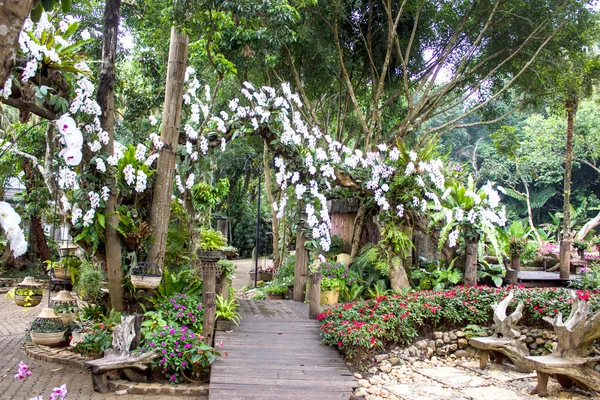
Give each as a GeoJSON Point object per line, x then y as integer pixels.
{"type": "Point", "coordinates": [23, 371]}
{"type": "Point", "coordinates": [220, 344]}
{"type": "Point", "coordinates": [58, 393]}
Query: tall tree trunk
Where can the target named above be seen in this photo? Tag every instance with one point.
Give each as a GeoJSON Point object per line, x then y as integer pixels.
{"type": "Point", "coordinates": [12, 17]}
{"type": "Point", "coordinates": [565, 247]}
{"type": "Point", "coordinates": [359, 224]}
{"type": "Point", "coordinates": [165, 170]}
{"type": "Point", "coordinates": [530, 213]}
{"type": "Point", "coordinates": [106, 100]}
{"type": "Point", "coordinates": [37, 236]}
{"type": "Point", "coordinates": [275, 220]}
{"type": "Point", "coordinates": [301, 266]}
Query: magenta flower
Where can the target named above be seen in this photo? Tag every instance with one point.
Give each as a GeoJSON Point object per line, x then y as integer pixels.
{"type": "Point", "coordinates": [23, 371]}
{"type": "Point", "coordinates": [58, 393]}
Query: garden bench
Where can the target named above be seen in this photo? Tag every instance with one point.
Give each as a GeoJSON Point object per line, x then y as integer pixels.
{"type": "Point", "coordinates": [506, 342]}
{"type": "Point", "coordinates": [126, 337]}
{"type": "Point", "coordinates": [570, 364]}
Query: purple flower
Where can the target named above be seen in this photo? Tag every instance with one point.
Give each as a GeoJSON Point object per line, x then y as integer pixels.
{"type": "Point", "coordinates": [58, 393]}
{"type": "Point", "coordinates": [23, 371]}
{"type": "Point", "coordinates": [172, 331]}
{"type": "Point", "coordinates": [173, 378]}
{"type": "Point", "coordinates": [164, 352]}
{"type": "Point", "coordinates": [183, 363]}
{"type": "Point", "coordinates": [187, 346]}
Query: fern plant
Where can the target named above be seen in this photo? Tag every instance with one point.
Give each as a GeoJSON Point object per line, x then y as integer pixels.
{"type": "Point", "coordinates": [227, 309]}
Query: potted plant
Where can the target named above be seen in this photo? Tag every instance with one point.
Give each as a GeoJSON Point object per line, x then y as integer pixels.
{"type": "Point", "coordinates": [146, 275]}
{"type": "Point", "coordinates": [276, 291]}
{"type": "Point", "coordinates": [28, 293]}
{"type": "Point", "coordinates": [65, 306]}
{"type": "Point", "coordinates": [227, 270]}
{"type": "Point", "coordinates": [330, 290]}
{"type": "Point", "coordinates": [343, 258]}
{"type": "Point", "coordinates": [581, 246]}
{"type": "Point", "coordinates": [47, 329]}
{"type": "Point", "coordinates": [265, 273]}
{"type": "Point", "coordinates": [227, 313]}
{"type": "Point", "coordinates": [212, 242]}
{"type": "Point", "coordinates": [516, 246]}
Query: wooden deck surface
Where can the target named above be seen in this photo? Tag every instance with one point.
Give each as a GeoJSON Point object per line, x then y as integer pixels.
{"type": "Point", "coordinates": [276, 353]}
{"type": "Point", "coordinates": [543, 278]}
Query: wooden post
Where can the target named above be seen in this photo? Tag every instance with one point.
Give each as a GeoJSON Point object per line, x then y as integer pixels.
{"type": "Point", "coordinates": [470, 277]}
{"type": "Point", "coordinates": [314, 300]}
{"type": "Point", "coordinates": [208, 325]}
{"type": "Point", "coordinates": [137, 326]}
{"type": "Point", "coordinates": [209, 283]}
{"type": "Point", "coordinates": [565, 259]}
{"type": "Point", "coordinates": [165, 168]}
{"type": "Point", "coordinates": [301, 266]}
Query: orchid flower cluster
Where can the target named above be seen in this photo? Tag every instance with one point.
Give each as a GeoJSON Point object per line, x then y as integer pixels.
{"type": "Point", "coordinates": [10, 220]}
{"type": "Point", "coordinates": [82, 119]}
{"type": "Point", "coordinates": [58, 393]}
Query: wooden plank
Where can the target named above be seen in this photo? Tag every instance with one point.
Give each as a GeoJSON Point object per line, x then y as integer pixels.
{"type": "Point", "coordinates": [277, 353]}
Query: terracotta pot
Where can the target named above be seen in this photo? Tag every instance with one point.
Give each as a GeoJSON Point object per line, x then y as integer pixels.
{"type": "Point", "coordinates": [47, 339]}
{"type": "Point", "coordinates": [62, 273]}
{"type": "Point", "coordinates": [343, 258]}
{"type": "Point", "coordinates": [145, 281]}
{"type": "Point", "coordinates": [330, 296]}
{"type": "Point", "coordinates": [274, 296]}
{"type": "Point", "coordinates": [33, 300]}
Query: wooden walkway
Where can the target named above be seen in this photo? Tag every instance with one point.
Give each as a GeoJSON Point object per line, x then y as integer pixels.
{"type": "Point", "coordinates": [276, 353]}
{"type": "Point", "coordinates": [543, 279]}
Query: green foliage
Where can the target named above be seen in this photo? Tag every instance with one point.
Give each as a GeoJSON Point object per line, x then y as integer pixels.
{"type": "Point", "coordinates": [89, 284]}
{"type": "Point", "coordinates": [206, 197]}
{"type": "Point", "coordinates": [432, 275]}
{"type": "Point", "coordinates": [97, 340]}
{"type": "Point", "coordinates": [178, 253]}
{"type": "Point", "coordinates": [181, 282]}
{"type": "Point", "coordinates": [227, 309]}
{"type": "Point", "coordinates": [337, 246]}
{"type": "Point", "coordinates": [490, 273]}
{"type": "Point", "coordinates": [581, 244]}
{"type": "Point", "coordinates": [589, 279]}
{"type": "Point", "coordinates": [227, 268]}
{"type": "Point", "coordinates": [211, 240]}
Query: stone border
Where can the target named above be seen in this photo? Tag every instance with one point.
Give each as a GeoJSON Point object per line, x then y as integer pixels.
{"type": "Point", "coordinates": [186, 389]}
{"type": "Point", "coordinates": [55, 355]}
{"type": "Point", "coordinates": [63, 356]}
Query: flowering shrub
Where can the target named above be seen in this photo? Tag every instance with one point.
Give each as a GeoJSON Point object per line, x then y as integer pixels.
{"type": "Point", "coordinates": [182, 352]}
{"type": "Point", "coordinates": [362, 327]}
{"type": "Point", "coordinates": [589, 279]}
{"type": "Point", "coordinates": [183, 310]}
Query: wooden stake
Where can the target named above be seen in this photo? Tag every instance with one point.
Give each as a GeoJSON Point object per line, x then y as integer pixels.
{"type": "Point", "coordinates": [314, 300]}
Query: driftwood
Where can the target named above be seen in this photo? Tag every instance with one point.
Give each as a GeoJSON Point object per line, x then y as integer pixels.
{"type": "Point", "coordinates": [570, 363]}
{"type": "Point", "coordinates": [506, 343]}
{"type": "Point", "coordinates": [119, 356]}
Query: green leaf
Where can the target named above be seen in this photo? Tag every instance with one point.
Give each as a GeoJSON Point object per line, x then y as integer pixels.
{"type": "Point", "coordinates": [66, 6]}
{"type": "Point", "coordinates": [102, 220]}
{"type": "Point", "coordinates": [36, 13]}
{"type": "Point", "coordinates": [71, 29]}
{"type": "Point", "coordinates": [48, 4]}
{"type": "Point", "coordinates": [497, 280]}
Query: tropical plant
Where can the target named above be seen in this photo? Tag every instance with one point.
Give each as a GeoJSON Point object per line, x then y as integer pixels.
{"type": "Point", "coordinates": [432, 275]}
{"type": "Point", "coordinates": [227, 309]}
{"type": "Point", "coordinates": [64, 308]}
{"type": "Point", "coordinates": [589, 279]}
{"type": "Point", "coordinates": [211, 240]}
{"type": "Point", "coordinates": [47, 325]}
{"type": "Point", "coordinates": [491, 273]}
{"type": "Point", "coordinates": [181, 282]}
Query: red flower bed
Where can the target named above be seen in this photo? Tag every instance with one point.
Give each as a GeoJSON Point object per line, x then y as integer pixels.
{"type": "Point", "coordinates": [360, 328]}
